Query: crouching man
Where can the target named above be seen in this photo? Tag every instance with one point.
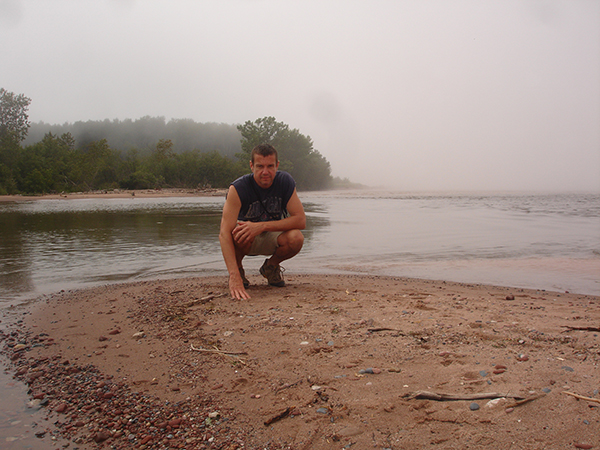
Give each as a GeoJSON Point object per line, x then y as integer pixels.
{"type": "Point", "coordinates": [262, 215]}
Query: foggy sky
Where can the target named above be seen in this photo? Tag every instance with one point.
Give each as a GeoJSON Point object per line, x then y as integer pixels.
{"type": "Point", "coordinates": [414, 95]}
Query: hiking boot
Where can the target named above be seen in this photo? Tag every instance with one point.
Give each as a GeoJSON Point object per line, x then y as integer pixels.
{"type": "Point", "coordinates": [273, 274]}
{"type": "Point", "coordinates": [244, 279]}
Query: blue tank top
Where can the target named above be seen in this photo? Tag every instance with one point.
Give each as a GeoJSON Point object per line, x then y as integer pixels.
{"type": "Point", "coordinates": [274, 199]}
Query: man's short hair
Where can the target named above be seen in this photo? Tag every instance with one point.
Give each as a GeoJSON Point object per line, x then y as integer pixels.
{"type": "Point", "coordinates": [264, 150]}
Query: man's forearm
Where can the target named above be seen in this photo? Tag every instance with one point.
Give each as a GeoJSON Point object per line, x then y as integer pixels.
{"type": "Point", "coordinates": [228, 250]}
{"type": "Point", "coordinates": [289, 223]}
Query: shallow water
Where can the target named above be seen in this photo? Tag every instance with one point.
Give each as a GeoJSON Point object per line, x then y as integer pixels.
{"type": "Point", "coordinates": [549, 242]}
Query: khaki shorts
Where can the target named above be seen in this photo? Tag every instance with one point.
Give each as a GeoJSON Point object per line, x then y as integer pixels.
{"type": "Point", "coordinates": [265, 243]}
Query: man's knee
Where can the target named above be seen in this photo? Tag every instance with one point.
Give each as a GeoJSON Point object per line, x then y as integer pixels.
{"type": "Point", "coordinates": [293, 239]}
{"type": "Point", "coordinates": [242, 249]}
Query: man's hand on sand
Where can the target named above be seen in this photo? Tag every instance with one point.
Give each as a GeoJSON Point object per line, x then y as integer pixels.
{"type": "Point", "coordinates": [236, 287]}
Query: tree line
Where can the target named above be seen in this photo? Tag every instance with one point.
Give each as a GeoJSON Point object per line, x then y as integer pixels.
{"type": "Point", "coordinates": [147, 153]}
{"type": "Point", "coordinates": [144, 133]}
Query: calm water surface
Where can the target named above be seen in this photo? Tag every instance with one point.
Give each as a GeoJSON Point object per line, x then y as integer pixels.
{"type": "Point", "coordinates": [547, 242]}
{"type": "Point", "coordinates": [537, 241]}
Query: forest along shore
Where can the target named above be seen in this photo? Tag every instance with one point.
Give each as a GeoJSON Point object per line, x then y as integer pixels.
{"type": "Point", "coordinates": [327, 362]}
{"type": "Point", "coordinates": [119, 193]}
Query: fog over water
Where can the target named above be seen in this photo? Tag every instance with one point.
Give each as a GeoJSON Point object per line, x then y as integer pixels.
{"type": "Point", "coordinates": [414, 95]}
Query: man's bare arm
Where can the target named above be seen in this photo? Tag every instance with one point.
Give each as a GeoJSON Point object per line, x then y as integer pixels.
{"type": "Point", "coordinates": [228, 224]}
{"type": "Point", "coordinates": [246, 231]}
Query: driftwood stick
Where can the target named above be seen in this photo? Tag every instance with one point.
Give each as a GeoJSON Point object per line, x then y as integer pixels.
{"type": "Point", "coordinates": [426, 395]}
{"type": "Point", "coordinates": [287, 386]}
{"type": "Point", "coordinates": [216, 350]}
{"type": "Point", "coordinates": [219, 352]}
{"type": "Point", "coordinates": [280, 416]}
{"type": "Point", "coordinates": [568, 328]}
{"type": "Point", "coordinates": [525, 400]}
{"type": "Point", "coordinates": [203, 299]}
{"type": "Point", "coordinates": [581, 397]}
{"type": "Point", "coordinates": [372, 330]}
{"type": "Point", "coordinates": [375, 330]}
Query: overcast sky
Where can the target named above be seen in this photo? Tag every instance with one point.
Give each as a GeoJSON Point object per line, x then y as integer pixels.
{"type": "Point", "coordinates": [415, 94]}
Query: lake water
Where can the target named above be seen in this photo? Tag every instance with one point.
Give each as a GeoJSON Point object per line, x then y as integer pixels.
{"type": "Point", "coordinates": [549, 242]}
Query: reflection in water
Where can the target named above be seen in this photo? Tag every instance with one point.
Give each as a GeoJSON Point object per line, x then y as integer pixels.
{"type": "Point", "coordinates": [14, 260]}
{"type": "Point", "coordinates": [52, 245]}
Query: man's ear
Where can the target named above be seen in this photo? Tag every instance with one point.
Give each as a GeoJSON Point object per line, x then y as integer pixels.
{"type": "Point", "coordinates": [251, 165]}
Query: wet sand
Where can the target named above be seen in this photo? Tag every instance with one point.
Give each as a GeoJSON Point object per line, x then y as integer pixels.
{"type": "Point", "coordinates": [327, 362]}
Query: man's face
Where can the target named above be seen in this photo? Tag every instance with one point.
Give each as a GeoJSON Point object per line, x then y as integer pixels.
{"type": "Point", "coordinates": [264, 169]}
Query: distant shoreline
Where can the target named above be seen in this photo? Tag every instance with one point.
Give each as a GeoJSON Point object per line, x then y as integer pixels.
{"type": "Point", "coordinates": [118, 193]}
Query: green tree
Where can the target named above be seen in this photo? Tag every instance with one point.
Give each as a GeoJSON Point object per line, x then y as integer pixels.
{"type": "Point", "coordinates": [14, 120]}
{"type": "Point", "coordinates": [44, 167]}
{"type": "Point", "coordinates": [14, 123]}
{"type": "Point", "coordinates": [96, 167]}
{"type": "Point", "coordinates": [164, 150]}
{"type": "Point", "coordinates": [296, 152]}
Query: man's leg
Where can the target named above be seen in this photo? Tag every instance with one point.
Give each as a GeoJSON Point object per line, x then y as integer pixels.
{"type": "Point", "coordinates": [289, 245]}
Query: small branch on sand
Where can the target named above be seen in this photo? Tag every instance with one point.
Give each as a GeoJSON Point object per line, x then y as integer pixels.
{"type": "Point", "coordinates": [485, 395]}
{"type": "Point", "coordinates": [374, 330]}
{"type": "Point", "coordinates": [568, 328]}
{"type": "Point", "coordinates": [525, 400]}
{"type": "Point", "coordinates": [219, 352]}
{"type": "Point", "coordinates": [287, 386]}
{"type": "Point", "coordinates": [426, 395]}
{"type": "Point", "coordinates": [581, 397]}
{"type": "Point", "coordinates": [280, 416]}
{"type": "Point", "coordinates": [203, 299]}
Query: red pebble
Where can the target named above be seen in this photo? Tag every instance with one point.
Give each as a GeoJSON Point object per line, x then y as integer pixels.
{"type": "Point", "coordinates": [174, 422]}
{"type": "Point", "coordinates": [584, 446]}
{"type": "Point", "coordinates": [101, 436]}
{"type": "Point", "coordinates": [61, 408]}
{"type": "Point", "coordinates": [114, 332]}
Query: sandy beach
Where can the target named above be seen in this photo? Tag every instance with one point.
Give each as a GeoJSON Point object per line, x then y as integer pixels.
{"type": "Point", "coordinates": [328, 362]}
{"type": "Point", "coordinates": [117, 193]}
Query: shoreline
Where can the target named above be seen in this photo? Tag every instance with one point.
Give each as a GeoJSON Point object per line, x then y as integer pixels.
{"type": "Point", "coordinates": [328, 361]}
{"type": "Point", "coordinates": [118, 193]}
